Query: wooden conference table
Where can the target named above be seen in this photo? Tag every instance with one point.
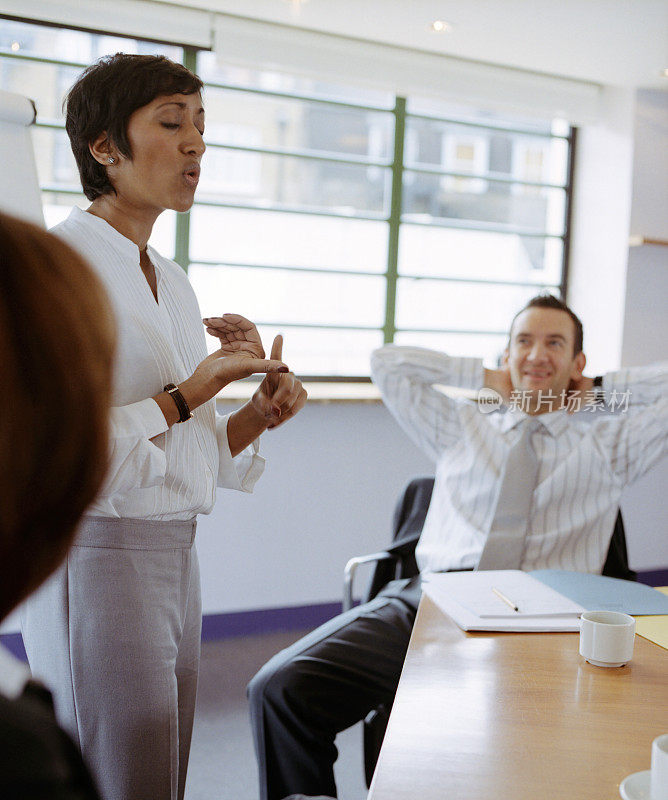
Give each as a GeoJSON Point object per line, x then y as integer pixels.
{"type": "Point", "coordinates": [508, 716]}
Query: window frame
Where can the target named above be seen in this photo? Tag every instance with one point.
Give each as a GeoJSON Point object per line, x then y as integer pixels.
{"type": "Point", "coordinates": [394, 218]}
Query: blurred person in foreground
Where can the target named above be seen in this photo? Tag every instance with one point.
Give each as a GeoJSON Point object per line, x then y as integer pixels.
{"type": "Point", "coordinates": [117, 630]}
{"type": "Point", "coordinates": [56, 349]}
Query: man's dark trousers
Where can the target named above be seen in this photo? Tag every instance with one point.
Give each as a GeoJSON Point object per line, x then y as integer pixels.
{"type": "Point", "coordinates": [323, 684]}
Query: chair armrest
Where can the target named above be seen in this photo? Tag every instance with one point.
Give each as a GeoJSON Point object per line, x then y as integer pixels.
{"type": "Point", "coordinates": [349, 574]}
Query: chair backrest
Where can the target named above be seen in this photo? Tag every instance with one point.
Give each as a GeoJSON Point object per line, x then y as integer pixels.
{"type": "Point", "coordinates": [409, 516]}
{"type": "Point", "coordinates": [411, 509]}
{"type": "Point", "coordinates": [617, 561]}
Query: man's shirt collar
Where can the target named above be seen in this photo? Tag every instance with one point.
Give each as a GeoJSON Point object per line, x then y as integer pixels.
{"type": "Point", "coordinates": [554, 422]}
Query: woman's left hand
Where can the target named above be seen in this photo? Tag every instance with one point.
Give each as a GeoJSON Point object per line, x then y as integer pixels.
{"type": "Point", "coordinates": [281, 395]}
{"type": "Point", "coordinates": [236, 334]}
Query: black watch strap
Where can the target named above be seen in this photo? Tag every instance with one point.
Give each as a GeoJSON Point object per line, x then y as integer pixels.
{"type": "Point", "coordinates": [597, 390]}
{"type": "Point", "coordinates": [184, 412]}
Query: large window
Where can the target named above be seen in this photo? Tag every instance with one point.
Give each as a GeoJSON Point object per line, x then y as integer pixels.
{"type": "Point", "coordinates": [341, 217]}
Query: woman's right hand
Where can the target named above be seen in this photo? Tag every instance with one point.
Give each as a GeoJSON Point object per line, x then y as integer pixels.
{"type": "Point", "coordinates": [221, 368]}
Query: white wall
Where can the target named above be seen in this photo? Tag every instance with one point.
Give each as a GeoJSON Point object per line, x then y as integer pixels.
{"type": "Point", "coordinates": [328, 492]}
{"type": "Point", "coordinates": [600, 229]}
{"type": "Point", "coordinates": [621, 294]}
{"type": "Point", "coordinates": [646, 315]}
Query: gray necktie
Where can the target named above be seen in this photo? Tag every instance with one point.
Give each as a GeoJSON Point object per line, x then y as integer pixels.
{"type": "Point", "coordinates": [505, 543]}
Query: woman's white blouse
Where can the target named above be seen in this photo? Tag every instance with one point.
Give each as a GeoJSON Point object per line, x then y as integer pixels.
{"type": "Point", "coordinates": [156, 472]}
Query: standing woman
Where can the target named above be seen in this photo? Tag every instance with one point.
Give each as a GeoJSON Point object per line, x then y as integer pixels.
{"type": "Point", "coordinates": [116, 632]}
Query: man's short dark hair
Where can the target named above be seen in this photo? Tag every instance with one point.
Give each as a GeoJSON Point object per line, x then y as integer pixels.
{"type": "Point", "coordinates": [550, 301]}
{"type": "Point", "coordinates": [104, 97]}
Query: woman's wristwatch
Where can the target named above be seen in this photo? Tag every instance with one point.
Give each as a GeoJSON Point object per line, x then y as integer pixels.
{"type": "Point", "coordinates": [597, 389]}
{"type": "Point", "coordinates": [184, 412]}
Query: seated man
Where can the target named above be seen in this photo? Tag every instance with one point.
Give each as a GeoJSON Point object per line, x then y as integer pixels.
{"type": "Point", "coordinates": [535, 487]}
{"type": "Point", "coordinates": [56, 350]}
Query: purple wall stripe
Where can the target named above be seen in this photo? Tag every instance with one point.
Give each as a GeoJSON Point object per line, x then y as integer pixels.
{"type": "Point", "coordinates": [266, 620]}
{"type": "Point", "coordinates": [655, 577]}
{"type": "Point", "coordinates": [271, 620]}
{"type": "Point", "coordinates": [14, 643]}
{"type": "Point", "coordinates": [239, 623]}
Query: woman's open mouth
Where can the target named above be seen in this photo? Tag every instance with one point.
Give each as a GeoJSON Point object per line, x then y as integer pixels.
{"type": "Point", "coordinates": [191, 176]}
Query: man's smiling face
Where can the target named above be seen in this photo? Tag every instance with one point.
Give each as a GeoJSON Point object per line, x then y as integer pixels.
{"type": "Point", "coordinates": [540, 352]}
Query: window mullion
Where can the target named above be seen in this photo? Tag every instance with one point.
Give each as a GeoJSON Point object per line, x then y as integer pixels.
{"type": "Point", "coordinates": [568, 216]}
{"type": "Point", "coordinates": [394, 220]}
{"type": "Point", "coordinates": [182, 228]}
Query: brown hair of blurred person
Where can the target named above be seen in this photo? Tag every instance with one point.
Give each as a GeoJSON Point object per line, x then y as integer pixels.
{"type": "Point", "coordinates": [56, 351]}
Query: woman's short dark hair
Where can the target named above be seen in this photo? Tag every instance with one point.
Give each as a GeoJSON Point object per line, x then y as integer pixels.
{"type": "Point", "coordinates": [104, 97]}
{"type": "Point", "coordinates": [57, 338]}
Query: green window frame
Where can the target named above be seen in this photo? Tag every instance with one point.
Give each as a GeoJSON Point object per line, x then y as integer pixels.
{"type": "Point", "coordinates": [394, 214]}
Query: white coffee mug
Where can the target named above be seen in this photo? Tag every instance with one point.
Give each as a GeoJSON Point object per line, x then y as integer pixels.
{"type": "Point", "coordinates": [606, 638]}
{"type": "Point", "coordinates": [659, 774]}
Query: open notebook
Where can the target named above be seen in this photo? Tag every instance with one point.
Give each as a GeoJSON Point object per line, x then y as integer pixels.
{"type": "Point", "coordinates": [485, 601]}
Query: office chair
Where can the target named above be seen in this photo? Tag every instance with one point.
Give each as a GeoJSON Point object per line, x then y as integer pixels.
{"type": "Point", "coordinates": [398, 561]}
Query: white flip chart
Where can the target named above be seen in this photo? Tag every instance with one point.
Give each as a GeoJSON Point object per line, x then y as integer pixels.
{"type": "Point", "coordinates": [19, 188]}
